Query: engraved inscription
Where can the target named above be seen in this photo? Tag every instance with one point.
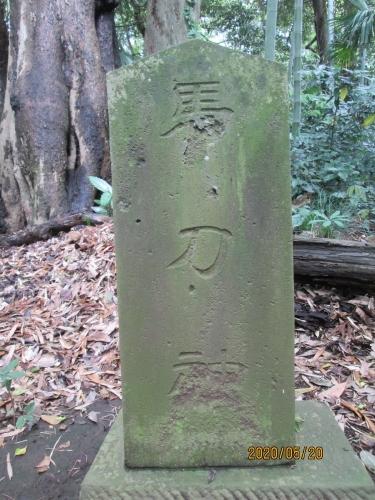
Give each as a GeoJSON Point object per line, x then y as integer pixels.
{"type": "Point", "coordinates": [199, 104]}
{"type": "Point", "coordinates": [196, 375]}
{"type": "Point", "coordinates": [217, 251]}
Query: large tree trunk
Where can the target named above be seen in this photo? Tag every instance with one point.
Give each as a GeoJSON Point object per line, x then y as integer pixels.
{"type": "Point", "coordinates": [54, 132]}
{"type": "Point", "coordinates": [168, 23]}
{"type": "Point", "coordinates": [321, 29]}
{"type": "Point", "coordinates": [3, 53]}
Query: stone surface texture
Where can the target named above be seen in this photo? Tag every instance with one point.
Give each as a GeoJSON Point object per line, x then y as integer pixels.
{"type": "Point", "coordinates": [339, 476]}
{"type": "Point", "coordinates": [200, 155]}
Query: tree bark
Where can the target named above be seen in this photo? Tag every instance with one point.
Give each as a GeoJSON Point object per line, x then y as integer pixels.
{"type": "Point", "coordinates": [321, 29]}
{"type": "Point", "coordinates": [109, 48]}
{"type": "Point", "coordinates": [54, 132]}
{"type": "Point", "coordinates": [167, 23]}
{"type": "Point", "coordinates": [4, 42]}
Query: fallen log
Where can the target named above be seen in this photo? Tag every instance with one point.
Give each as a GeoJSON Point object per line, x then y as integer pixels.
{"type": "Point", "coordinates": [49, 229]}
{"type": "Point", "coordinates": [337, 262]}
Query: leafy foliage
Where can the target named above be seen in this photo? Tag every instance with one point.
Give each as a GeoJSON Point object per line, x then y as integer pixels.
{"type": "Point", "coordinates": [333, 159]}
{"type": "Point", "coordinates": [9, 373]}
{"type": "Point", "coordinates": [239, 23]}
{"type": "Point", "coordinates": [321, 223]}
{"type": "Point", "coordinates": [357, 27]}
{"type": "Point", "coordinates": [355, 32]}
{"type": "Point", "coordinates": [27, 417]}
{"type": "Point", "coordinates": [130, 23]}
{"type": "Point", "coordinates": [194, 28]}
{"type": "Point", "coordinates": [105, 203]}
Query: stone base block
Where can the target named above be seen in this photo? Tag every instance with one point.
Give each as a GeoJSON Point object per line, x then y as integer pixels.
{"type": "Point", "coordinates": [339, 475]}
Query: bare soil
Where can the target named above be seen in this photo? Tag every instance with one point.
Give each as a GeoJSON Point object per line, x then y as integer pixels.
{"type": "Point", "coordinates": [75, 451]}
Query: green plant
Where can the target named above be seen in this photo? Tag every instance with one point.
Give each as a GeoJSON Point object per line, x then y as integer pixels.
{"type": "Point", "coordinates": [8, 374]}
{"type": "Point", "coordinates": [193, 26]}
{"type": "Point", "coordinates": [236, 23]}
{"type": "Point", "coordinates": [27, 417]}
{"type": "Point", "coordinates": [356, 30]}
{"type": "Point", "coordinates": [356, 194]}
{"type": "Point", "coordinates": [333, 158]}
{"type": "Point", "coordinates": [323, 221]}
{"type": "Point", "coordinates": [326, 224]}
{"type": "Point", "coordinates": [105, 202]}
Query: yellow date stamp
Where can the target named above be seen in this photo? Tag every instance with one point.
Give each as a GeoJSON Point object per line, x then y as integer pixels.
{"type": "Point", "coordinates": [265, 453]}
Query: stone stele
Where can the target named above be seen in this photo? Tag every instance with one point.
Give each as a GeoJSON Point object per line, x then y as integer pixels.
{"type": "Point", "coordinates": [201, 178]}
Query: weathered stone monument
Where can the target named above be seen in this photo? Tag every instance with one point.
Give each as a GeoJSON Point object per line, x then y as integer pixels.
{"type": "Point", "coordinates": [200, 152]}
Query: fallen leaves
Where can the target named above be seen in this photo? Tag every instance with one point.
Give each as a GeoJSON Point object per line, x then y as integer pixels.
{"type": "Point", "coordinates": [44, 464]}
{"type": "Point", "coordinates": [64, 446]}
{"type": "Point", "coordinates": [9, 467]}
{"type": "Point", "coordinates": [352, 407]}
{"type": "Point", "coordinates": [370, 424]}
{"type": "Point", "coordinates": [333, 393]}
{"type": "Point", "coordinates": [52, 419]}
{"type": "Point", "coordinates": [94, 377]}
{"type": "Point", "coordinates": [58, 316]}
{"type": "Point", "coordinates": [46, 361]}
{"type": "Point", "coordinates": [8, 434]}
{"type": "Point", "coordinates": [19, 452]}
{"type": "Point", "coordinates": [93, 416]}
{"type": "Point", "coordinates": [335, 355]}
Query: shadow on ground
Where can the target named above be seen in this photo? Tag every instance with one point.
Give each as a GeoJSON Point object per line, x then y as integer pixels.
{"type": "Point", "coordinates": [76, 449]}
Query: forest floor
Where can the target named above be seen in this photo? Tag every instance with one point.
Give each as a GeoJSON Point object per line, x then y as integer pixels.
{"type": "Point", "coordinates": [58, 317]}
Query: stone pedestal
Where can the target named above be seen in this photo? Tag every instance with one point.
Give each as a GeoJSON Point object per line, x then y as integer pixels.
{"type": "Point", "coordinates": [339, 475]}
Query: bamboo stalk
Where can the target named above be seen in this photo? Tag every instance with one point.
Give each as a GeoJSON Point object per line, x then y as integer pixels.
{"type": "Point", "coordinates": [271, 23]}
{"type": "Point", "coordinates": [297, 66]}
